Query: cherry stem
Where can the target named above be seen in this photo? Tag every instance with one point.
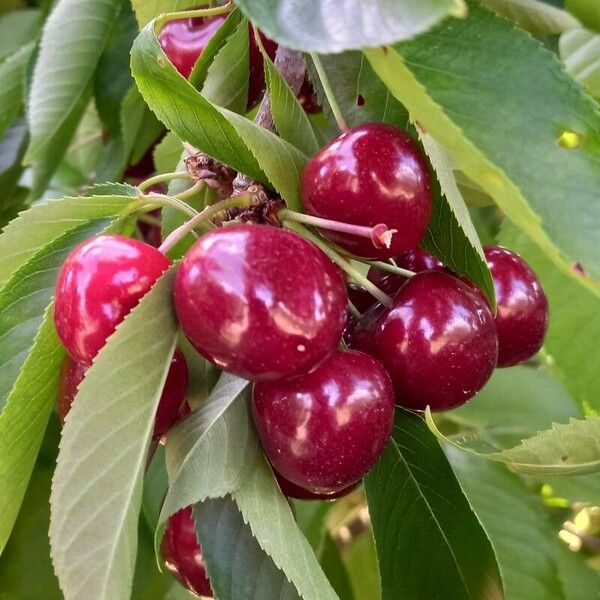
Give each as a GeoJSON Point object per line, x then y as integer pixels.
{"type": "Point", "coordinates": [380, 235]}
{"type": "Point", "coordinates": [383, 266]}
{"type": "Point", "coordinates": [354, 274]}
{"type": "Point", "coordinates": [162, 200]}
{"type": "Point", "coordinates": [353, 310]}
{"type": "Point", "coordinates": [329, 94]}
{"type": "Point", "coordinates": [148, 183]}
{"type": "Point", "coordinates": [199, 12]}
{"type": "Point", "coordinates": [201, 218]}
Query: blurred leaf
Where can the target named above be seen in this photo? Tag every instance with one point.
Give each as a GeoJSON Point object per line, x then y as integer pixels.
{"type": "Point", "coordinates": [156, 485]}
{"type": "Point", "coordinates": [226, 81]}
{"type": "Point", "coordinates": [268, 514]}
{"type": "Point", "coordinates": [580, 51]}
{"type": "Point", "coordinates": [107, 433]}
{"type": "Point", "coordinates": [451, 80]}
{"type": "Point", "coordinates": [429, 542]}
{"type": "Point", "coordinates": [17, 29]}
{"type": "Point", "coordinates": [44, 222]}
{"type": "Point", "coordinates": [587, 11]}
{"type": "Point", "coordinates": [309, 25]}
{"type": "Point", "coordinates": [167, 153]}
{"type": "Point", "coordinates": [12, 84]}
{"type": "Point", "coordinates": [535, 16]}
{"type": "Point", "coordinates": [525, 542]}
{"type": "Point", "coordinates": [24, 419]}
{"type": "Point", "coordinates": [290, 120]}
{"type": "Point", "coordinates": [146, 10]}
{"type": "Point", "coordinates": [311, 517]}
{"type": "Point", "coordinates": [574, 325]}
{"type": "Point", "coordinates": [566, 449]}
{"type": "Point", "coordinates": [582, 488]}
{"type": "Point", "coordinates": [73, 40]}
{"type": "Point", "coordinates": [334, 568]}
{"type": "Point", "coordinates": [360, 559]}
{"type": "Point", "coordinates": [515, 404]}
{"type": "Point", "coordinates": [12, 149]}
{"type": "Point", "coordinates": [222, 134]}
{"type": "Point", "coordinates": [238, 567]}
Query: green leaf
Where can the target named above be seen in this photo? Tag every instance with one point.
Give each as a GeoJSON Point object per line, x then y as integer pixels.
{"type": "Point", "coordinates": [146, 10]}
{"type": "Point", "coordinates": [220, 133]}
{"type": "Point", "coordinates": [426, 534]}
{"type": "Point", "coordinates": [12, 84]}
{"type": "Point", "coordinates": [17, 29]}
{"type": "Point", "coordinates": [525, 541]}
{"type": "Point", "coordinates": [451, 235]}
{"type": "Point", "coordinates": [580, 51]}
{"type": "Point", "coordinates": [587, 11]}
{"type": "Point", "coordinates": [203, 454]}
{"type": "Point", "coordinates": [73, 40]}
{"type": "Point", "coordinates": [291, 121]}
{"type": "Point", "coordinates": [42, 223]}
{"type": "Point", "coordinates": [311, 517]}
{"type": "Point", "coordinates": [515, 404]}
{"type": "Point", "coordinates": [97, 486]}
{"type": "Point", "coordinates": [12, 149]}
{"type": "Point", "coordinates": [581, 488]}
{"type": "Point", "coordinates": [167, 153]}
{"type": "Point", "coordinates": [451, 79]}
{"type": "Point", "coordinates": [309, 25]}
{"type": "Point", "coordinates": [335, 569]}
{"type": "Point", "coordinates": [24, 299]}
{"type": "Point", "coordinates": [566, 449]}
{"type": "Point", "coordinates": [226, 81]}
{"type": "Point", "coordinates": [271, 521]}
{"type": "Point", "coordinates": [23, 421]}
{"type": "Point", "coordinates": [361, 563]}
{"type": "Point", "coordinates": [535, 16]}
{"type": "Point", "coordinates": [239, 569]}
{"type": "Point", "coordinates": [574, 325]}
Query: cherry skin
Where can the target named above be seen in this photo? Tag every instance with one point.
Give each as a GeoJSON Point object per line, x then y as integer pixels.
{"type": "Point", "coordinates": [259, 301]}
{"type": "Point", "coordinates": [438, 342]}
{"type": "Point", "coordinates": [522, 313]}
{"type": "Point", "coordinates": [361, 299]}
{"type": "Point", "coordinates": [291, 490]}
{"type": "Point", "coordinates": [183, 554]}
{"type": "Point", "coordinates": [171, 407]}
{"type": "Point", "coordinates": [371, 174]}
{"type": "Point", "coordinates": [101, 280]}
{"type": "Point", "coordinates": [323, 431]}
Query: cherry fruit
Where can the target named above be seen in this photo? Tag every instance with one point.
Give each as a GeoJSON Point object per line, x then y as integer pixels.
{"type": "Point", "coordinates": [371, 174]}
{"type": "Point", "coordinates": [171, 407]}
{"type": "Point", "coordinates": [259, 301]}
{"type": "Point", "coordinates": [438, 342]}
{"type": "Point", "coordinates": [323, 431]}
{"type": "Point", "coordinates": [101, 280]}
{"type": "Point", "coordinates": [291, 490]}
{"type": "Point", "coordinates": [183, 554]}
{"type": "Point", "coordinates": [522, 307]}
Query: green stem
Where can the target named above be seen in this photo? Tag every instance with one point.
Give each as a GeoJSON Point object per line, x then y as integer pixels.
{"type": "Point", "coordinates": [356, 275]}
{"type": "Point", "coordinates": [199, 12]}
{"type": "Point", "coordinates": [161, 200]}
{"type": "Point", "coordinates": [200, 218]}
{"type": "Point", "coordinates": [192, 191]}
{"type": "Point", "coordinates": [329, 94]}
{"type": "Point", "coordinates": [148, 183]}
{"type": "Point", "coordinates": [353, 310]}
{"type": "Point", "coordinates": [383, 266]}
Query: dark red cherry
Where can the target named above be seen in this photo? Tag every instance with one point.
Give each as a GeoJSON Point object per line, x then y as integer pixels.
{"type": "Point", "coordinates": [101, 280]}
{"type": "Point", "coordinates": [357, 333]}
{"type": "Point", "coordinates": [324, 430]}
{"type": "Point", "coordinates": [371, 174]}
{"type": "Point", "coordinates": [438, 342]}
{"type": "Point", "coordinates": [522, 315]}
{"type": "Point", "coordinates": [291, 490]}
{"type": "Point", "coordinates": [171, 407]}
{"type": "Point", "coordinates": [184, 40]}
{"type": "Point", "coordinates": [260, 302]}
{"type": "Point", "coordinates": [361, 299]}
{"type": "Point", "coordinates": [183, 554]}
{"type": "Point", "coordinates": [308, 98]}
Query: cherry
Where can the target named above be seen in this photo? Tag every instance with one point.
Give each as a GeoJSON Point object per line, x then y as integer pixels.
{"type": "Point", "coordinates": [438, 342]}
{"type": "Point", "coordinates": [371, 174]}
{"type": "Point", "coordinates": [418, 260]}
{"type": "Point", "coordinates": [357, 334]}
{"type": "Point", "coordinates": [171, 407]}
{"type": "Point", "coordinates": [183, 554]}
{"type": "Point", "coordinates": [361, 299]}
{"type": "Point", "coordinates": [259, 301]}
{"type": "Point", "coordinates": [522, 314]}
{"type": "Point", "coordinates": [184, 40]}
{"type": "Point", "coordinates": [291, 490]}
{"type": "Point", "coordinates": [101, 280]}
{"type": "Point", "coordinates": [323, 431]}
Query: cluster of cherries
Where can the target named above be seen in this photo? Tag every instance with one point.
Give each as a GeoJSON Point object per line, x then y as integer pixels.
{"type": "Point", "coordinates": [266, 304]}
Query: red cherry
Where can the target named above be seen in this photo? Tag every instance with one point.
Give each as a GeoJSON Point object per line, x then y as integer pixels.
{"type": "Point", "coordinates": [183, 554]}
{"type": "Point", "coordinates": [361, 299]}
{"type": "Point", "coordinates": [184, 40]}
{"type": "Point", "coordinates": [291, 490]}
{"type": "Point", "coordinates": [171, 407]}
{"type": "Point", "coordinates": [522, 315]}
{"type": "Point", "coordinates": [324, 430]}
{"type": "Point", "coordinates": [357, 334]}
{"type": "Point", "coordinates": [438, 342]}
{"type": "Point", "coordinates": [101, 280]}
{"type": "Point", "coordinates": [259, 301]}
{"type": "Point", "coordinates": [371, 174]}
